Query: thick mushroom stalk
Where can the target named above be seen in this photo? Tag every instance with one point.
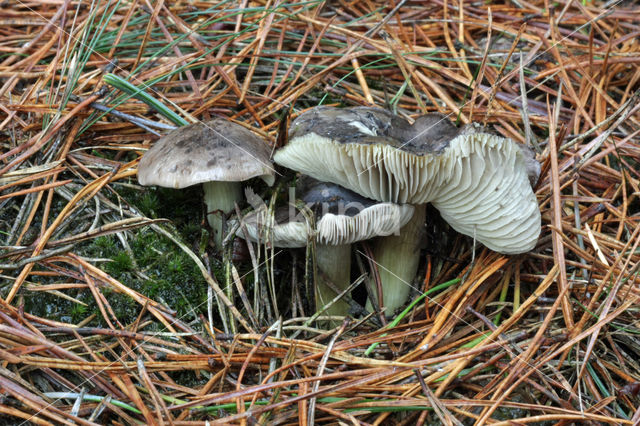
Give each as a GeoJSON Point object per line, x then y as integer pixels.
{"type": "Point", "coordinates": [344, 218]}
{"type": "Point", "coordinates": [220, 199]}
{"type": "Point", "coordinates": [397, 258]}
{"type": "Point", "coordinates": [335, 264]}
{"type": "Point", "coordinates": [336, 233]}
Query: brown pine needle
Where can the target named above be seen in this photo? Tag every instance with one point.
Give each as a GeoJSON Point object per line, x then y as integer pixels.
{"type": "Point", "coordinates": [114, 308]}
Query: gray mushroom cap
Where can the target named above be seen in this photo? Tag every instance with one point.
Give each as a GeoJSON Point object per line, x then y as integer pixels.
{"type": "Point", "coordinates": [375, 126]}
{"type": "Point", "coordinates": [323, 197]}
{"type": "Point", "coordinates": [218, 150]}
{"type": "Point", "coordinates": [342, 217]}
{"type": "Point", "coordinates": [478, 181]}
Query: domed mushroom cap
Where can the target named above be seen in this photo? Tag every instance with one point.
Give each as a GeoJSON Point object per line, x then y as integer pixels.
{"type": "Point", "coordinates": [478, 181]}
{"type": "Point", "coordinates": [342, 217]}
{"type": "Point", "coordinates": [218, 150]}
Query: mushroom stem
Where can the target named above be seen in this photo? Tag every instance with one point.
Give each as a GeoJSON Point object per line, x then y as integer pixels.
{"type": "Point", "coordinates": [335, 264]}
{"type": "Point", "coordinates": [397, 257]}
{"type": "Point", "coordinates": [220, 198]}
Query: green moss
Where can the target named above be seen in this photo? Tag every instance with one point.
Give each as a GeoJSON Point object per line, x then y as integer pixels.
{"type": "Point", "coordinates": [78, 312]}
{"type": "Point", "coordinates": [149, 264]}
{"type": "Point", "coordinates": [144, 261]}
{"type": "Point", "coordinates": [121, 264]}
{"type": "Point", "coordinates": [149, 204]}
{"type": "Point", "coordinates": [106, 244]}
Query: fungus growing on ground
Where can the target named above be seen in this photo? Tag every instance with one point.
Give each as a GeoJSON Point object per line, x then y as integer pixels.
{"type": "Point", "coordinates": [219, 154]}
{"type": "Point", "coordinates": [342, 218]}
{"type": "Point", "coordinates": [478, 181]}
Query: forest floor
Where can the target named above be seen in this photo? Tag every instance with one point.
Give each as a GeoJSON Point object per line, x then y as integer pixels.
{"type": "Point", "coordinates": [115, 308]}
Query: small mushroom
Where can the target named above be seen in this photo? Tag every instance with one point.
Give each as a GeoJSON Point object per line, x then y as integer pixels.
{"type": "Point", "coordinates": [219, 154]}
{"type": "Point", "coordinates": [342, 218]}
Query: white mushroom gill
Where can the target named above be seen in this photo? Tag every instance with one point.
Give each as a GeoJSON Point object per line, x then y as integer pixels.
{"type": "Point", "coordinates": [479, 183]}
{"type": "Point", "coordinates": [378, 220]}
{"type": "Point", "coordinates": [262, 227]}
{"type": "Point", "coordinates": [380, 172]}
{"type": "Point", "coordinates": [490, 196]}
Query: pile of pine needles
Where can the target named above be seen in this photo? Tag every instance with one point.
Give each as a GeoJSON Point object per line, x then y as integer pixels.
{"type": "Point", "coordinates": [85, 89]}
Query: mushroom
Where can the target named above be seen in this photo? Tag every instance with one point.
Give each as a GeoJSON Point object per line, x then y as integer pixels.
{"type": "Point", "coordinates": [219, 154]}
{"type": "Point", "coordinates": [342, 218]}
{"type": "Point", "coordinates": [370, 151]}
{"type": "Point", "coordinates": [478, 181]}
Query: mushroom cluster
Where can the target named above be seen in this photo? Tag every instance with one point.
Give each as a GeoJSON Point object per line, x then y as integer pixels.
{"type": "Point", "coordinates": [374, 173]}
{"type": "Point", "coordinates": [478, 181]}
{"type": "Point", "coordinates": [342, 217]}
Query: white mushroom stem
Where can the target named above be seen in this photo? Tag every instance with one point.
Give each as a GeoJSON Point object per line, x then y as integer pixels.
{"type": "Point", "coordinates": [220, 198]}
{"type": "Point", "coordinates": [397, 258]}
{"type": "Point", "coordinates": [335, 264]}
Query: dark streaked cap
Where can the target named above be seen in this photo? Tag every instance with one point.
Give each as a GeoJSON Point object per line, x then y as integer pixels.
{"type": "Point", "coordinates": [218, 150]}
